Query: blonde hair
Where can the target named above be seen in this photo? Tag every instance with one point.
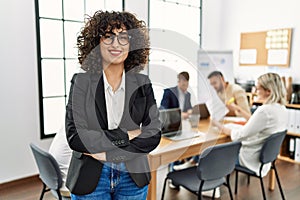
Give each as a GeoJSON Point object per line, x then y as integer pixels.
{"type": "Point", "coordinates": [273, 83]}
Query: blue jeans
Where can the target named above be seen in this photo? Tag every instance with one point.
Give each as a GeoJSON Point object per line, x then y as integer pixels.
{"type": "Point", "coordinates": [115, 183]}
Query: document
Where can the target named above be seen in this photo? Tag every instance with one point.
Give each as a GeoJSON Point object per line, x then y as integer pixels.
{"type": "Point", "coordinates": [292, 120]}
{"type": "Point", "coordinates": [297, 150]}
{"type": "Point", "coordinates": [235, 119]}
{"type": "Point", "coordinates": [233, 126]}
{"type": "Point", "coordinates": [248, 56]}
{"type": "Point", "coordinates": [277, 56]}
{"type": "Point", "coordinates": [217, 109]}
{"type": "Point", "coordinates": [297, 121]}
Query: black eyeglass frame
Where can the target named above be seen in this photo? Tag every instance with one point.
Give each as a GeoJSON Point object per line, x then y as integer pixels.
{"type": "Point", "coordinates": [112, 38]}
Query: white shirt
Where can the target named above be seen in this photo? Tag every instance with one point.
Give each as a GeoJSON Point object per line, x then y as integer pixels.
{"type": "Point", "coordinates": [62, 153]}
{"type": "Point", "coordinates": [114, 102]}
{"type": "Point", "coordinates": [181, 98]}
{"type": "Point", "coordinates": [266, 120]}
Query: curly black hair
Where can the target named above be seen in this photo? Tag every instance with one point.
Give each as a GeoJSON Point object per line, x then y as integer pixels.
{"type": "Point", "coordinates": [89, 55]}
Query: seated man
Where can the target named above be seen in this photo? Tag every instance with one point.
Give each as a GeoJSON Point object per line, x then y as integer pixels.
{"type": "Point", "coordinates": [62, 153]}
{"type": "Point", "coordinates": [227, 91]}
{"type": "Point", "coordinates": [179, 97]}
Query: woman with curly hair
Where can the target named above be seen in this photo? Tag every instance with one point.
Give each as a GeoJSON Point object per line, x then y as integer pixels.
{"type": "Point", "coordinates": [112, 120]}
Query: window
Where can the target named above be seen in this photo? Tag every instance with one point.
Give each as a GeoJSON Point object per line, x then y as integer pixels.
{"type": "Point", "coordinates": [181, 21]}
{"type": "Point", "coordinates": [58, 23]}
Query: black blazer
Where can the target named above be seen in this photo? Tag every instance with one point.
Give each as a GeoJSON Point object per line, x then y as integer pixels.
{"type": "Point", "coordinates": [87, 130]}
{"type": "Point", "coordinates": [170, 99]}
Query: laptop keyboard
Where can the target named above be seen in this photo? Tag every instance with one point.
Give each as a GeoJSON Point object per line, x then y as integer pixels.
{"type": "Point", "coordinates": [182, 135]}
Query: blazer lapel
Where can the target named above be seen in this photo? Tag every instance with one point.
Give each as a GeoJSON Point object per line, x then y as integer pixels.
{"type": "Point", "coordinates": [131, 85]}
{"type": "Point", "coordinates": [97, 86]}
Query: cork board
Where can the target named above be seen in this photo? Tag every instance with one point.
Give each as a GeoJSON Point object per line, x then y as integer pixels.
{"type": "Point", "coordinates": [266, 48]}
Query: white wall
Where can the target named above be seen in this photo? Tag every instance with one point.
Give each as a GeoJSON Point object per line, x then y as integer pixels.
{"type": "Point", "coordinates": [138, 7]}
{"type": "Point", "coordinates": [19, 115]}
{"type": "Point", "coordinates": [224, 20]}
{"type": "Point", "coordinates": [212, 14]}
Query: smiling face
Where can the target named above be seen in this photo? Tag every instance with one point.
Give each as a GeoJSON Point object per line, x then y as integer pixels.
{"type": "Point", "coordinates": [117, 51]}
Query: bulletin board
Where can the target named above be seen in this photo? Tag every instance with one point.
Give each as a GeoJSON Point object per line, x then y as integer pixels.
{"type": "Point", "coordinates": [266, 48]}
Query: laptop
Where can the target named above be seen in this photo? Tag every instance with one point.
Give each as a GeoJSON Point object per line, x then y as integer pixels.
{"type": "Point", "coordinates": [202, 110]}
{"type": "Point", "coordinates": [171, 125]}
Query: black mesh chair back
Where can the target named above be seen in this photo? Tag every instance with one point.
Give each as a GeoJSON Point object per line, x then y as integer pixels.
{"type": "Point", "coordinates": [215, 165]}
{"type": "Point", "coordinates": [49, 172]}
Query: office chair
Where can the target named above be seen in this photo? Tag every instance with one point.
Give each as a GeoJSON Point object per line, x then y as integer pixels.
{"type": "Point", "coordinates": [215, 163]}
{"type": "Point", "coordinates": [268, 153]}
{"type": "Point", "coordinates": [49, 172]}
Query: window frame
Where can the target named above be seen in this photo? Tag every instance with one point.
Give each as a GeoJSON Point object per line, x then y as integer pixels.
{"type": "Point", "coordinates": [65, 59]}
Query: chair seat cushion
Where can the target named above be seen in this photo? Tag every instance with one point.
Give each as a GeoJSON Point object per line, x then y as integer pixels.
{"type": "Point", "coordinates": [245, 170]}
{"type": "Point", "coordinates": [188, 179]}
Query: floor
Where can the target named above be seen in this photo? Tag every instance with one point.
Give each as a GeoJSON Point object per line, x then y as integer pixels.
{"type": "Point", "coordinates": [289, 175]}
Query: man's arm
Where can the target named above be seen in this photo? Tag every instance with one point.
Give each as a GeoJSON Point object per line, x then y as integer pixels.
{"type": "Point", "coordinates": [165, 102]}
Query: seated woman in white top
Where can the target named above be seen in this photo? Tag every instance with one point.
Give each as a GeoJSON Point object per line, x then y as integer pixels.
{"type": "Point", "coordinates": [62, 153]}
{"type": "Point", "coordinates": [268, 119]}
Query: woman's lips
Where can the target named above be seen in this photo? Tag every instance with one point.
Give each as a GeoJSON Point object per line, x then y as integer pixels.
{"type": "Point", "coordinates": [115, 52]}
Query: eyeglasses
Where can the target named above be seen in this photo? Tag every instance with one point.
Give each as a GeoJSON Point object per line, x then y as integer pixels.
{"type": "Point", "coordinates": [123, 38]}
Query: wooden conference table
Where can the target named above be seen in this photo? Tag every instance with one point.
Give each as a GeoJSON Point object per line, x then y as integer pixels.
{"type": "Point", "coordinates": [169, 151]}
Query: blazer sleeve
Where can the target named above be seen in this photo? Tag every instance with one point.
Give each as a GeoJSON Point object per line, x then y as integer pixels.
{"type": "Point", "coordinates": [79, 135]}
{"type": "Point", "coordinates": [150, 135]}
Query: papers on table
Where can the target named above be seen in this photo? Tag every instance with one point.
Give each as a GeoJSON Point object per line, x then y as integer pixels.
{"type": "Point", "coordinates": [233, 126]}
{"type": "Point", "coordinates": [235, 119]}
{"type": "Point", "coordinates": [215, 106]}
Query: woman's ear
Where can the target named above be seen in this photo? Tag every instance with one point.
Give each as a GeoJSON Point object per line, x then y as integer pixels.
{"type": "Point", "coordinates": [268, 92]}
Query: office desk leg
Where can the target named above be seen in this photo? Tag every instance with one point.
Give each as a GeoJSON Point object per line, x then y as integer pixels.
{"type": "Point", "coordinates": [272, 180]}
{"type": "Point", "coordinates": [152, 186]}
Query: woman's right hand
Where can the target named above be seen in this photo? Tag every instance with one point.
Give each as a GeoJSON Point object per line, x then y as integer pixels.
{"type": "Point", "coordinates": [134, 133]}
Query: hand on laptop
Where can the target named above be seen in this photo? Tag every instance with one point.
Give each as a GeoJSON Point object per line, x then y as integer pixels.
{"type": "Point", "coordinates": [185, 115]}
{"type": "Point", "coordinates": [133, 133]}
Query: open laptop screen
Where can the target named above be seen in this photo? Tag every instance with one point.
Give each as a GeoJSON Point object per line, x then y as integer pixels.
{"type": "Point", "coordinates": [170, 120]}
{"type": "Point", "coordinates": [202, 110]}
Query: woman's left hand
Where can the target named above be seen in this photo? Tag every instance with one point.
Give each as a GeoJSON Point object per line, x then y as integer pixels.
{"type": "Point", "coordinates": [98, 156]}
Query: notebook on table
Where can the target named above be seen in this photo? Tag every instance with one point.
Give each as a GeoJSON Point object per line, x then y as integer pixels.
{"type": "Point", "coordinates": [171, 125]}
